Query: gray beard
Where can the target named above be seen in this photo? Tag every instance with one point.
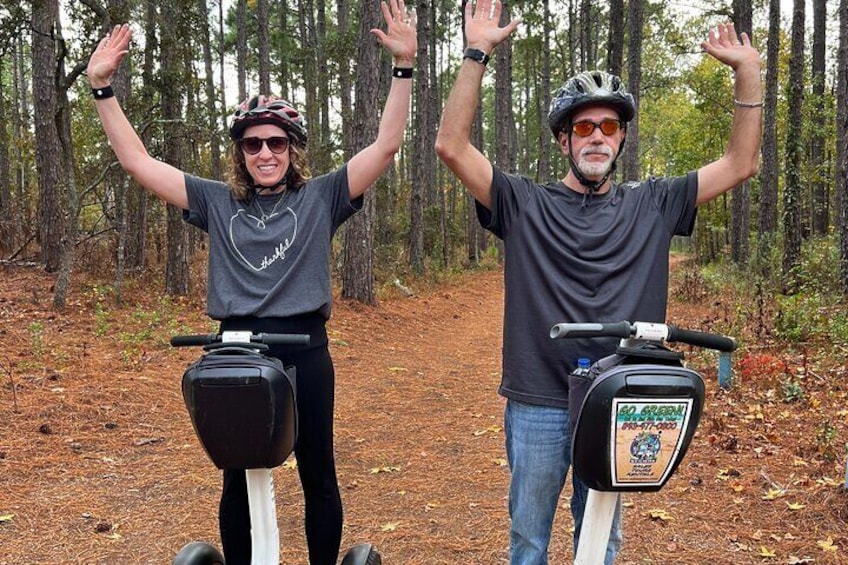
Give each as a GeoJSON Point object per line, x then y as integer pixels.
{"type": "Point", "coordinates": [593, 169]}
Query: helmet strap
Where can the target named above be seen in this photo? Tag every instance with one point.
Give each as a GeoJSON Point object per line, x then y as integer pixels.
{"type": "Point", "coordinates": [258, 188]}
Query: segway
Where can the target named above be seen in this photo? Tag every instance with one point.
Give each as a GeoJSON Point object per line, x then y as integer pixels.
{"type": "Point", "coordinates": [639, 415]}
{"type": "Point", "coordinates": [243, 409]}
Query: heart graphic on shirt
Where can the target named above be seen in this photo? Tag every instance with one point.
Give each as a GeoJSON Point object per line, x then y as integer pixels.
{"type": "Point", "coordinates": [261, 243]}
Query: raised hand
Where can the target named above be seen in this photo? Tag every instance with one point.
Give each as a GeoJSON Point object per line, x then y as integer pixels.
{"type": "Point", "coordinates": [401, 35]}
{"type": "Point", "coordinates": [108, 55]}
{"type": "Point", "coordinates": [730, 49]}
{"type": "Point", "coordinates": [482, 27]}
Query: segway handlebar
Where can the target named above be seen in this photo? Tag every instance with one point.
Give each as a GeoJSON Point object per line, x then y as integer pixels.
{"type": "Point", "coordinates": [645, 331]}
{"type": "Point", "coordinates": [240, 337]}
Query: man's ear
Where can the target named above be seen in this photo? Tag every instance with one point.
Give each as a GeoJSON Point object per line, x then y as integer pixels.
{"type": "Point", "coordinates": [562, 141]}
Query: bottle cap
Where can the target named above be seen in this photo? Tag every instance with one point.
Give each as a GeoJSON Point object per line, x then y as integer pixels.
{"type": "Point", "coordinates": [583, 363]}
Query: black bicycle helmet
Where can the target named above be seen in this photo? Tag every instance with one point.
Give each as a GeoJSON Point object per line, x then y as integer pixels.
{"type": "Point", "coordinates": [263, 109]}
{"type": "Point", "coordinates": [588, 88]}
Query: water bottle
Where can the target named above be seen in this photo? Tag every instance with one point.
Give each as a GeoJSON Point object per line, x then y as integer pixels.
{"type": "Point", "coordinates": [582, 370]}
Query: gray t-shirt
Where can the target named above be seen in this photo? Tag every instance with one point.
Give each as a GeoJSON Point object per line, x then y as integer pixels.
{"type": "Point", "coordinates": [270, 257]}
{"type": "Point", "coordinates": [603, 258]}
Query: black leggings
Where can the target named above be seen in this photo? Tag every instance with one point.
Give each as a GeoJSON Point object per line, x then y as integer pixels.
{"type": "Point", "coordinates": [313, 450]}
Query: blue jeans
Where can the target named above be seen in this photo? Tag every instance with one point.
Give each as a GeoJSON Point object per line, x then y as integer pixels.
{"type": "Point", "coordinates": [538, 448]}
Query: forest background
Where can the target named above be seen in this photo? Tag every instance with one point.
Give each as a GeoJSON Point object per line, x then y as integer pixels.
{"type": "Point", "coordinates": [65, 203]}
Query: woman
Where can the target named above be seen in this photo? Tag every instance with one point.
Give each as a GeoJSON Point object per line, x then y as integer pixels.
{"type": "Point", "coordinates": [270, 228]}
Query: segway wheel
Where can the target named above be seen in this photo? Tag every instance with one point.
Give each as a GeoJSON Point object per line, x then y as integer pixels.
{"type": "Point", "coordinates": [362, 554]}
{"type": "Point", "coordinates": [198, 553]}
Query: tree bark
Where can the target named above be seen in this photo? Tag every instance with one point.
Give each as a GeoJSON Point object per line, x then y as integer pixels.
{"type": "Point", "coordinates": [794, 151]}
{"type": "Point", "coordinates": [45, 53]}
{"type": "Point", "coordinates": [740, 209]}
{"type": "Point", "coordinates": [635, 22]}
{"type": "Point", "coordinates": [820, 197]}
{"type": "Point", "coordinates": [769, 172]}
{"type": "Point", "coordinates": [241, 48]}
{"type": "Point", "coordinates": [422, 144]}
{"type": "Point", "coordinates": [212, 111]}
{"type": "Point", "coordinates": [842, 142]}
{"type": "Point", "coordinates": [264, 51]}
{"type": "Point", "coordinates": [615, 51]}
{"type": "Point", "coordinates": [358, 261]}
{"type": "Point", "coordinates": [177, 281]}
{"type": "Point", "coordinates": [543, 170]}
{"type": "Point", "coordinates": [7, 233]}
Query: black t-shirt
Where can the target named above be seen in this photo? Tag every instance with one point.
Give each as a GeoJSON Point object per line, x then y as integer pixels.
{"type": "Point", "coordinates": [569, 258]}
{"type": "Point", "coordinates": [270, 257]}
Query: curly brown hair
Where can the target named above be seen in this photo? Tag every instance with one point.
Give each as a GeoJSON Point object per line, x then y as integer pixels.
{"type": "Point", "coordinates": [241, 183]}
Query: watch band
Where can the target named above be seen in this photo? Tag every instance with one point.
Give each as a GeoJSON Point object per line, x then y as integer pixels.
{"type": "Point", "coordinates": [103, 92]}
{"type": "Point", "coordinates": [476, 55]}
{"type": "Point", "coordinates": [402, 72]}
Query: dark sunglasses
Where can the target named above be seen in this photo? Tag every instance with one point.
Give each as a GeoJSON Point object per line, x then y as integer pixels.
{"type": "Point", "coordinates": [253, 145]}
{"type": "Point", "coordinates": [585, 128]}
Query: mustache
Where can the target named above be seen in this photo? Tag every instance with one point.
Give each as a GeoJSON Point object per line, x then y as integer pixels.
{"type": "Point", "coordinates": [598, 150]}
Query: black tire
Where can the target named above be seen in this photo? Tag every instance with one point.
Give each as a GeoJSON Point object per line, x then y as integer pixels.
{"type": "Point", "coordinates": [198, 553]}
{"type": "Point", "coordinates": [362, 554]}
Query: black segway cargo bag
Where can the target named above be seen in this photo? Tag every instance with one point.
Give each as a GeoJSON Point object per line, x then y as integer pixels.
{"type": "Point", "coordinates": [635, 426]}
{"type": "Point", "coordinates": [242, 406]}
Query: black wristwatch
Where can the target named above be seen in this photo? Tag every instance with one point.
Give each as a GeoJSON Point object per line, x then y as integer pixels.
{"type": "Point", "coordinates": [476, 55]}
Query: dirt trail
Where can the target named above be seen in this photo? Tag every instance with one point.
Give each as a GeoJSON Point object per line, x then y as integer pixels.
{"type": "Point", "coordinates": [99, 464]}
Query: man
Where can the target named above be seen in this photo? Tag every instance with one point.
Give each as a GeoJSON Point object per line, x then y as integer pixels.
{"type": "Point", "coordinates": [582, 249]}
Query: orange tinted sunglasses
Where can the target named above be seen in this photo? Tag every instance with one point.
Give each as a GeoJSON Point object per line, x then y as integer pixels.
{"type": "Point", "coordinates": [585, 128]}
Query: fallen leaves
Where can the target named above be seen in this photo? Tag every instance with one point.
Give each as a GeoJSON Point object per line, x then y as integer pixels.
{"type": "Point", "coordinates": [385, 469]}
{"type": "Point", "coordinates": [659, 514]}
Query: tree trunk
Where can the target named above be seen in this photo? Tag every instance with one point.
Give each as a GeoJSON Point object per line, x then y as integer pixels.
{"type": "Point", "coordinates": [117, 179]}
{"type": "Point", "coordinates": [504, 118]}
{"type": "Point", "coordinates": [211, 98]}
{"type": "Point", "coordinates": [45, 49]}
{"type": "Point", "coordinates": [615, 50]}
{"type": "Point", "coordinates": [177, 280]}
{"type": "Point", "coordinates": [740, 210]}
{"type": "Point", "coordinates": [7, 233]}
{"type": "Point", "coordinates": [219, 45]}
{"type": "Point", "coordinates": [19, 125]}
{"type": "Point", "coordinates": [358, 264]}
{"type": "Point", "coordinates": [631, 168]}
{"type": "Point", "coordinates": [819, 205]}
{"type": "Point", "coordinates": [264, 51]}
{"type": "Point", "coordinates": [241, 48]}
{"type": "Point", "coordinates": [543, 170]}
{"type": "Point", "coordinates": [423, 148]}
{"type": "Point", "coordinates": [345, 64]}
{"type": "Point", "coordinates": [769, 172]}
{"type": "Point", "coordinates": [794, 151]}
{"type": "Point", "coordinates": [842, 142]}
{"type": "Point", "coordinates": [322, 70]}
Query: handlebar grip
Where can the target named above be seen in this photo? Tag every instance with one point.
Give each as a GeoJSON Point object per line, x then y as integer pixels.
{"type": "Point", "coordinates": [285, 339]}
{"type": "Point", "coordinates": [701, 339]}
{"type": "Point", "coordinates": [191, 340]}
{"type": "Point", "coordinates": [566, 331]}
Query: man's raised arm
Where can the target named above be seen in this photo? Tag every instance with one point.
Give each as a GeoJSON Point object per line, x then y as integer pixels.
{"type": "Point", "coordinates": [453, 143]}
